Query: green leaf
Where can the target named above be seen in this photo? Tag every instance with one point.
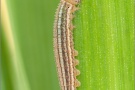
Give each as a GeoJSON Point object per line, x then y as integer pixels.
{"type": "Point", "coordinates": [104, 38]}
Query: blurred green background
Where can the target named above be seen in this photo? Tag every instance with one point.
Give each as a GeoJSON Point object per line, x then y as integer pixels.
{"type": "Point", "coordinates": [32, 28]}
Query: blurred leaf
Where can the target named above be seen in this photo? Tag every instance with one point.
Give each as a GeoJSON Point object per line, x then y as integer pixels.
{"type": "Point", "coordinates": [31, 26]}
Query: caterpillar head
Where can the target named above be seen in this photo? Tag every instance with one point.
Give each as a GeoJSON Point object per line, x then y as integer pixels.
{"type": "Point", "coordinates": [74, 2]}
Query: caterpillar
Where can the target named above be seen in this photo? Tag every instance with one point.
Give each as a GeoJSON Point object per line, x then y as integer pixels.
{"type": "Point", "coordinates": [64, 46]}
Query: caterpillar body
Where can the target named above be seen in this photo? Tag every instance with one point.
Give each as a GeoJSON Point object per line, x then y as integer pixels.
{"type": "Point", "coordinates": [64, 46]}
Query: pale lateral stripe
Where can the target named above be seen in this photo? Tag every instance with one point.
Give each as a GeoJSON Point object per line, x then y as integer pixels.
{"type": "Point", "coordinates": [69, 49]}
{"type": "Point", "coordinates": [60, 49]}
{"type": "Point", "coordinates": [56, 47]}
